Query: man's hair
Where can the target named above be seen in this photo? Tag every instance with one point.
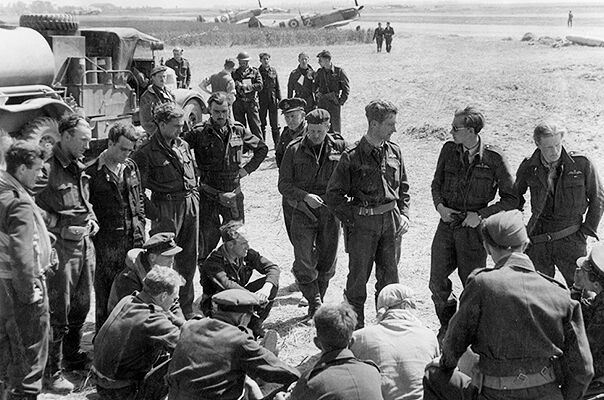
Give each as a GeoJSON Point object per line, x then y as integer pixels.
{"type": "Point", "coordinates": [263, 54]}
{"type": "Point", "coordinates": [303, 54]}
{"type": "Point", "coordinates": [162, 280]}
{"type": "Point", "coordinates": [335, 324]}
{"type": "Point", "coordinates": [218, 98]}
{"type": "Point", "coordinates": [177, 49]}
{"type": "Point", "coordinates": [23, 152]}
{"type": "Point", "coordinates": [120, 129]}
{"type": "Point", "coordinates": [547, 129]}
{"type": "Point", "coordinates": [229, 63]}
{"type": "Point", "coordinates": [229, 231]}
{"type": "Point", "coordinates": [165, 112]}
{"type": "Point", "coordinates": [595, 277]}
{"type": "Point", "coordinates": [69, 122]}
{"type": "Point", "coordinates": [472, 118]}
{"type": "Point", "coordinates": [378, 110]}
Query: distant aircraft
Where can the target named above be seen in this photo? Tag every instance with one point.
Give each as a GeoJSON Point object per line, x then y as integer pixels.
{"type": "Point", "coordinates": [236, 17]}
{"type": "Point", "coordinates": [331, 19]}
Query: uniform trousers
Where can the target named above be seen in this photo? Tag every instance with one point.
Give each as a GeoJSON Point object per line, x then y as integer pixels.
{"type": "Point", "coordinates": [246, 113]}
{"type": "Point", "coordinates": [388, 44]}
{"type": "Point", "coordinates": [334, 110]}
{"type": "Point", "coordinates": [379, 41]}
{"type": "Point", "coordinates": [270, 107]}
{"type": "Point", "coordinates": [212, 215]}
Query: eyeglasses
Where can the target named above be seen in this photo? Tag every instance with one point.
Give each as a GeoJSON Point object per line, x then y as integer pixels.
{"type": "Point", "coordinates": [458, 128]}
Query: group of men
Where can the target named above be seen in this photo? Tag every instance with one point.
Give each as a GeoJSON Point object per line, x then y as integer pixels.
{"type": "Point", "coordinates": [380, 34]}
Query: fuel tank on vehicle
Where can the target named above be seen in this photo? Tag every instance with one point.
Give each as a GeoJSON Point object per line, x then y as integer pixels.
{"type": "Point", "coordinates": [26, 58]}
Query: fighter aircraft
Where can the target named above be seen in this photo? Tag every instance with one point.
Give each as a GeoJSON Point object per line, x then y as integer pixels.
{"type": "Point", "coordinates": [236, 17]}
{"type": "Point", "coordinates": [331, 19]}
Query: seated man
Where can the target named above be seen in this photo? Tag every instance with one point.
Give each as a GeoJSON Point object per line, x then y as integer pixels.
{"type": "Point", "coordinates": [137, 335]}
{"type": "Point", "coordinates": [399, 344]}
{"type": "Point", "coordinates": [215, 354]}
{"type": "Point", "coordinates": [231, 265]}
{"type": "Point", "coordinates": [589, 289]}
{"type": "Point", "coordinates": [338, 374]}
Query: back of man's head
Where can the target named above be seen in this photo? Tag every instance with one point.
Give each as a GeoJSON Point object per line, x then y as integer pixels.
{"type": "Point", "coordinates": [162, 280]}
{"type": "Point", "coordinates": [335, 324]}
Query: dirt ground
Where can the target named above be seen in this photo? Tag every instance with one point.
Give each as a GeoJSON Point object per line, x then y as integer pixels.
{"type": "Point", "coordinates": [428, 77]}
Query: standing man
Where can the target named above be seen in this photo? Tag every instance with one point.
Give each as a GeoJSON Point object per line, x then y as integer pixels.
{"type": "Point", "coordinates": [567, 202]}
{"type": "Point", "coordinates": [248, 82]}
{"type": "Point", "coordinates": [167, 169]}
{"type": "Point", "coordinates": [300, 83]}
{"type": "Point", "coordinates": [65, 199]}
{"type": "Point", "coordinates": [369, 193]}
{"type": "Point", "coordinates": [117, 198]}
{"type": "Point", "coordinates": [182, 68]}
{"type": "Point", "coordinates": [25, 254]}
{"type": "Point", "coordinates": [378, 36]}
{"type": "Point", "coordinates": [467, 177]}
{"type": "Point", "coordinates": [155, 94]}
{"type": "Point", "coordinates": [569, 23]}
{"type": "Point", "coordinates": [388, 33]}
{"type": "Point", "coordinates": [219, 145]}
{"type": "Point", "coordinates": [331, 88]}
{"type": "Point", "coordinates": [526, 329]}
{"type": "Point", "coordinates": [222, 82]}
{"type": "Point", "coordinates": [308, 164]}
{"type": "Point", "coordinates": [269, 97]}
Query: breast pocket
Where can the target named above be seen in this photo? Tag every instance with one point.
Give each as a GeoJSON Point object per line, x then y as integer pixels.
{"type": "Point", "coordinates": [393, 172]}
{"type": "Point", "coordinates": [68, 195]}
{"type": "Point", "coordinates": [450, 179]}
{"type": "Point", "coordinates": [573, 191]}
{"type": "Point", "coordinates": [484, 185]}
{"type": "Point", "coordinates": [163, 171]}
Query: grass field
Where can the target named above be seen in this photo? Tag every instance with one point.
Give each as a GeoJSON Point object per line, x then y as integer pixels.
{"type": "Point", "coordinates": [428, 77]}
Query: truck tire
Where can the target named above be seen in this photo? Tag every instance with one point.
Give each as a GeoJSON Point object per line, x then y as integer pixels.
{"type": "Point", "coordinates": [44, 130]}
{"type": "Point", "coordinates": [59, 23]}
{"type": "Point", "coordinates": [293, 23]}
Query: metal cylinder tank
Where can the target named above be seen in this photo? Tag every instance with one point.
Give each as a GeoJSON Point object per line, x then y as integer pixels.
{"type": "Point", "coordinates": [26, 58]}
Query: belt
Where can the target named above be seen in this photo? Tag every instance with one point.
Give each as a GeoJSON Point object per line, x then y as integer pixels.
{"type": "Point", "coordinates": [215, 192]}
{"type": "Point", "coordinates": [520, 381]}
{"type": "Point", "coordinates": [378, 210]}
{"type": "Point", "coordinates": [550, 237]}
{"type": "Point", "coordinates": [172, 196]}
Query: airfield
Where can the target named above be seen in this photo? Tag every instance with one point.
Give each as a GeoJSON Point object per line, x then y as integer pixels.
{"type": "Point", "coordinates": [442, 59]}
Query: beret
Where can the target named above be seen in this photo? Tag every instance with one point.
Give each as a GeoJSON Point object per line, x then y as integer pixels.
{"type": "Point", "coordinates": [317, 116]}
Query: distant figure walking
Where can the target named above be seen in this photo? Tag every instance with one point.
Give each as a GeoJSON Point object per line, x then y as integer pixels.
{"type": "Point", "coordinates": [569, 23]}
{"type": "Point", "coordinates": [388, 33]}
{"type": "Point", "coordinates": [378, 36]}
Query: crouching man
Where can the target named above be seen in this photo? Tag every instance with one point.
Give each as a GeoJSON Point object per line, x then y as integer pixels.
{"type": "Point", "coordinates": [214, 355]}
{"type": "Point", "coordinates": [137, 336]}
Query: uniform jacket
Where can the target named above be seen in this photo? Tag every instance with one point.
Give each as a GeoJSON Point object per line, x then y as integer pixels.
{"type": "Point", "coordinates": [388, 32]}
{"type": "Point", "coordinates": [240, 76]}
{"type": "Point", "coordinates": [65, 192]}
{"type": "Point", "coordinates": [287, 135]}
{"type": "Point", "coordinates": [378, 33]}
{"type": "Point", "coordinates": [338, 375]}
{"type": "Point", "coordinates": [25, 250]}
{"type": "Point", "coordinates": [369, 177]}
{"type": "Point", "coordinates": [472, 188]}
{"type": "Point", "coordinates": [593, 317]}
{"type": "Point", "coordinates": [516, 319]}
{"type": "Point", "coordinates": [149, 99]}
{"type": "Point", "coordinates": [130, 341]}
{"type": "Point", "coordinates": [221, 82]}
{"type": "Point", "coordinates": [401, 346]}
{"type": "Point", "coordinates": [302, 173]}
{"type": "Point", "coordinates": [578, 190]}
{"type": "Point", "coordinates": [183, 71]}
{"type": "Point", "coordinates": [333, 81]}
{"type": "Point", "coordinates": [271, 91]}
{"type": "Point", "coordinates": [217, 273]}
{"type": "Point", "coordinates": [219, 154]}
{"type": "Point", "coordinates": [114, 212]}
{"type": "Point", "coordinates": [303, 89]}
{"type": "Point", "coordinates": [213, 357]}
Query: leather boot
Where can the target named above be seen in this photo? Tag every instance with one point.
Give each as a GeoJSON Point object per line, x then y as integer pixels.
{"type": "Point", "coordinates": [73, 358]}
{"type": "Point", "coordinates": [54, 381]}
{"type": "Point", "coordinates": [310, 291]}
{"type": "Point", "coordinates": [323, 285]}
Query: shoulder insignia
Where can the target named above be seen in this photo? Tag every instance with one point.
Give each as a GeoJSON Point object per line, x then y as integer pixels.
{"type": "Point", "coordinates": [494, 149]}
{"type": "Point", "coordinates": [575, 154]}
{"type": "Point", "coordinates": [553, 280]}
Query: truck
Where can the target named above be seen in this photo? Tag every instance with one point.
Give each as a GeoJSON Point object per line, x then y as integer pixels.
{"type": "Point", "coordinates": [50, 66]}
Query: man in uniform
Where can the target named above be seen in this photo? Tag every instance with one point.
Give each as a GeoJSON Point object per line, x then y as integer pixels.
{"type": "Point", "coordinates": [182, 68]}
{"type": "Point", "coordinates": [378, 36]}
{"type": "Point", "coordinates": [294, 114]}
{"type": "Point", "coordinates": [65, 199]}
{"type": "Point", "coordinates": [219, 145]}
{"type": "Point", "coordinates": [300, 82]}
{"type": "Point", "coordinates": [167, 168]}
{"type": "Point", "coordinates": [222, 82]}
{"type": "Point", "coordinates": [338, 373]}
{"type": "Point", "coordinates": [388, 33]}
{"type": "Point", "coordinates": [331, 88]}
{"type": "Point", "coordinates": [269, 97]}
{"type": "Point", "coordinates": [308, 164]}
{"type": "Point", "coordinates": [214, 356]}
{"type": "Point", "coordinates": [139, 333]}
{"type": "Point", "coordinates": [231, 266]}
{"type": "Point", "coordinates": [526, 329]}
{"type": "Point", "coordinates": [467, 177]}
{"type": "Point", "coordinates": [369, 193]}
{"type": "Point", "coordinates": [117, 198]}
{"type": "Point", "coordinates": [567, 202]}
{"type": "Point", "coordinates": [248, 82]}
{"type": "Point", "coordinates": [155, 94]}
{"type": "Point", "coordinates": [25, 254]}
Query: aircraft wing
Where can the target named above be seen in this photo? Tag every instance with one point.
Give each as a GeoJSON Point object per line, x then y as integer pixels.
{"type": "Point", "coordinates": [243, 21]}
{"type": "Point", "coordinates": [339, 23]}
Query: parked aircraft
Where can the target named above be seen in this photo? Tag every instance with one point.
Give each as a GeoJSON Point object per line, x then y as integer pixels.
{"type": "Point", "coordinates": [235, 17]}
{"type": "Point", "coordinates": [331, 19]}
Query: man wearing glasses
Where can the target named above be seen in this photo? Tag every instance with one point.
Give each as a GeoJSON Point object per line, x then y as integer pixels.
{"type": "Point", "coordinates": [468, 175]}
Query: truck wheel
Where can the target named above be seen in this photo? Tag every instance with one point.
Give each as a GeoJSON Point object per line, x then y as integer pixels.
{"type": "Point", "coordinates": [44, 130]}
{"type": "Point", "coordinates": [193, 113]}
{"type": "Point", "coordinates": [293, 23]}
{"type": "Point", "coordinates": [60, 23]}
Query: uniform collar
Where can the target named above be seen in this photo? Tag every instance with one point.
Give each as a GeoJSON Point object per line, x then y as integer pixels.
{"type": "Point", "coordinates": [367, 147]}
{"type": "Point", "coordinates": [478, 151]}
{"type": "Point", "coordinates": [518, 260]}
{"type": "Point", "coordinates": [335, 355]}
{"type": "Point", "coordinates": [565, 158]}
{"type": "Point", "coordinates": [63, 158]}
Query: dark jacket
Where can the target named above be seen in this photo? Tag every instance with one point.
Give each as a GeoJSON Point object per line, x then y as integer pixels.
{"type": "Point", "coordinates": [333, 82]}
{"type": "Point", "coordinates": [517, 319]}
{"type": "Point", "coordinates": [300, 84]}
{"type": "Point", "coordinates": [271, 91]}
{"type": "Point", "coordinates": [251, 74]}
{"type": "Point", "coordinates": [183, 71]}
{"type": "Point", "coordinates": [473, 187]}
{"type": "Point", "coordinates": [593, 318]}
{"type": "Point", "coordinates": [113, 211]}
{"type": "Point", "coordinates": [339, 375]}
{"type": "Point", "coordinates": [149, 99]}
{"type": "Point", "coordinates": [213, 357]}
{"type": "Point", "coordinates": [578, 190]}
{"type": "Point", "coordinates": [287, 135]}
